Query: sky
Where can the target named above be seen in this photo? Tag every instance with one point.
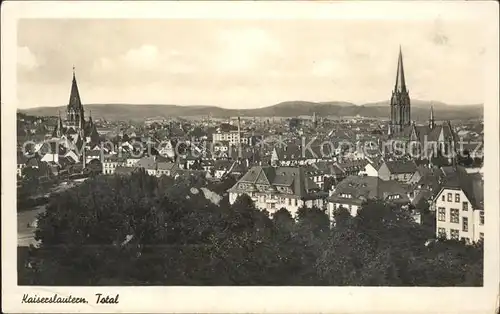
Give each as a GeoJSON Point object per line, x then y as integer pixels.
{"type": "Point", "coordinates": [246, 63]}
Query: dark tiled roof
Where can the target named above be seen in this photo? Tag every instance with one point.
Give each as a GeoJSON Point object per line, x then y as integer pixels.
{"type": "Point", "coordinates": [471, 184]}
{"type": "Point", "coordinates": [365, 188]}
{"type": "Point", "coordinates": [292, 177]}
{"type": "Point", "coordinates": [420, 132]}
{"type": "Point", "coordinates": [353, 165]}
{"type": "Point", "coordinates": [397, 167]}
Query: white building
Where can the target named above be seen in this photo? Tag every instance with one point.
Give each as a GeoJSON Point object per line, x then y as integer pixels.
{"type": "Point", "coordinates": [459, 207]}
{"type": "Point", "coordinates": [110, 163]}
{"type": "Point", "coordinates": [272, 188]}
{"type": "Point", "coordinates": [353, 191]}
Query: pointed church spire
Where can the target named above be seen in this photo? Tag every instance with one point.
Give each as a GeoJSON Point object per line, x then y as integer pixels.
{"type": "Point", "coordinates": [431, 118]}
{"type": "Point", "coordinates": [74, 97]}
{"type": "Point", "coordinates": [400, 75]}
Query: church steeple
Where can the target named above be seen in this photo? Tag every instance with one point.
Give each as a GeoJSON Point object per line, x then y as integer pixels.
{"type": "Point", "coordinates": [74, 97]}
{"type": "Point", "coordinates": [75, 113]}
{"type": "Point", "coordinates": [431, 119]}
{"type": "Point", "coordinates": [400, 74]}
{"type": "Point", "coordinates": [400, 100]}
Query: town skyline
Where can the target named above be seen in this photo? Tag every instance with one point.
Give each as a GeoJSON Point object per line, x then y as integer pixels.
{"type": "Point", "coordinates": [242, 65]}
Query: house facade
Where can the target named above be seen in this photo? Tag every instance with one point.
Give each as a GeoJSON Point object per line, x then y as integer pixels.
{"type": "Point", "coordinates": [459, 208]}
{"type": "Point", "coordinates": [272, 188]}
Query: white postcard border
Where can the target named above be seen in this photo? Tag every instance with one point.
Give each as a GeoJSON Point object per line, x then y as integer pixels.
{"type": "Point", "coordinates": [254, 299]}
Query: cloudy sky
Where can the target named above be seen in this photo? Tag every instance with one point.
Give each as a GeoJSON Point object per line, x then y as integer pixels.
{"type": "Point", "coordinates": [242, 64]}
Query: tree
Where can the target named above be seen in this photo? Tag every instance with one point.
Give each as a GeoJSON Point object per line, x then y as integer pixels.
{"type": "Point", "coordinates": [341, 216]}
{"type": "Point", "coordinates": [143, 230]}
{"type": "Point", "coordinates": [283, 218]}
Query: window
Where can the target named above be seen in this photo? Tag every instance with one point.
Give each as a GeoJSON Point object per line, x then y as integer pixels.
{"type": "Point", "coordinates": [442, 198]}
{"type": "Point", "coordinates": [457, 197]}
{"type": "Point", "coordinates": [454, 215]}
{"type": "Point", "coordinates": [481, 217]}
{"type": "Point", "coordinates": [449, 197]}
{"type": "Point", "coordinates": [442, 214]}
{"type": "Point", "coordinates": [442, 233]}
{"type": "Point", "coordinates": [465, 206]}
{"type": "Point", "coordinates": [465, 224]}
{"type": "Point", "coordinates": [454, 234]}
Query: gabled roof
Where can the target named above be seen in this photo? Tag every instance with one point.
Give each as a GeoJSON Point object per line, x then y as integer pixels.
{"type": "Point", "coordinates": [293, 177]}
{"type": "Point", "coordinates": [361, 189]}
{"type": "Point", "coordinates": [425, 132]}
{"type": "Point", "coordinates": [471, 184]}
{"type": "Point", "coordinates": [352, 165]}
{"type": "Point", "coordinates": [400, 166]}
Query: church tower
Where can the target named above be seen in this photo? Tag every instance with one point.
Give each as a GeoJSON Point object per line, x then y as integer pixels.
{"type": "Point", "coordinates": [400, 100]}
{"type": "Point", "coordinates": [74, 112]}
{"type": "Point", "coordinates": [431, 119]}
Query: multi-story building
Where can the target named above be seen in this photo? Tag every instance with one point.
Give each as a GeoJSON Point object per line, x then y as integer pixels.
{"type": "Point", "coordinates": [110, 163]}
{"type": "Point", "coordinates": [459, 207]}
{"type": "Point", "coordinates": [272, 188]}
{"type": "Point", "coordinates": [353, 191]}
{"type": "Point", "coordinates": [229, 133]}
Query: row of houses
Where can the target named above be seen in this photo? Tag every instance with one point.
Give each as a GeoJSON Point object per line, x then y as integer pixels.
{"type": "Point", "coordinates": [451, 192]}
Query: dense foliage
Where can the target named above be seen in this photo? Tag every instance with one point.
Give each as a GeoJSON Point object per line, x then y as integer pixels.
{"type": "Point", "coordinates": [142, 230]}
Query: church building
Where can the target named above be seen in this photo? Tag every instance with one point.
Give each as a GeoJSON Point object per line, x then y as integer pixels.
{"type": "Point", "coordinates": [400, 101]}
{"type": "Point", "coordinates": [75, 129]}
{"type": "Point", "coordinates": [430, 136]}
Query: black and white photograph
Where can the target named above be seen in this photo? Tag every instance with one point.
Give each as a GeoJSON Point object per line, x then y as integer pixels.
{"type": "Point", "coordinates": [232, 152]}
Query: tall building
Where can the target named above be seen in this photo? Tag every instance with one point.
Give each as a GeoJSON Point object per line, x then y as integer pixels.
{"type": "Point", "coordinates": [400, 101]}
{"type": "Point", "coordinates": [75, 115]}
{"type": "Point", "coordinates": [74, 127]}
{"type": "Point", "coordinates": [431, 136]}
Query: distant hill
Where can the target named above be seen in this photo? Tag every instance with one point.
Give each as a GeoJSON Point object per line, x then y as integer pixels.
{"type": "Point", "coordinates": [420, 110]}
